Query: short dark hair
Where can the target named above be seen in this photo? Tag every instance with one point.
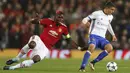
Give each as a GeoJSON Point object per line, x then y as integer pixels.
{"type": "Point", "coordinates": [109, 4]}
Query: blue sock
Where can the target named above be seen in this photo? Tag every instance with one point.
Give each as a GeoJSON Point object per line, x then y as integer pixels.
{"type": "Point", "coordinates": [85, 59]}
{"type": "Point", "coordinates": [100, 56]}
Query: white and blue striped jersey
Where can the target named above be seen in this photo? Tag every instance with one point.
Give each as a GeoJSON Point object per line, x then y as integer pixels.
{"type": "Point", "coordinates": [100, 23]}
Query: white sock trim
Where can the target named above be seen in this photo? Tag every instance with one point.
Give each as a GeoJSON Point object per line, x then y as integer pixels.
{"type": "Point", "coordinates": [106, 51]}
{"type": "Point", "coordinates": [89, 52]}
{"type": "Point", "coordinates": [16, 59]}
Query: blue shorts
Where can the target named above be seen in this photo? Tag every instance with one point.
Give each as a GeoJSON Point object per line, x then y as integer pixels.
{"type": "Point", "coordinates": [99, 41]}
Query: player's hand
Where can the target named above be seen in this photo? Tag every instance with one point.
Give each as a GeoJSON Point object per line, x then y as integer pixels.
{"type": "Point", "coordinates": [114, 38]}
{"type": "Point", "coordinates": [82, 48]}
{"type": "Point", "coordinates": [79, 48]}
{"type": "Point", "coordinates": [37, 15]}
{"type": "Point", "coordinates": [35, 19]}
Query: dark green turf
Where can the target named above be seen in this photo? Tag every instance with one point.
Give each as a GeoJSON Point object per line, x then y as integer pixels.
{"type": "Point", "coordinates": [67, 66]}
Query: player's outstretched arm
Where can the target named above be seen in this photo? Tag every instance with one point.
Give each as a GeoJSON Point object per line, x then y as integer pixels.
{"type": "Point", "coordinates": [112, 32]}
{"type": "Point", "coordinates": [74, 44]}
{"type": "Point", "coordinates": [71, 42]}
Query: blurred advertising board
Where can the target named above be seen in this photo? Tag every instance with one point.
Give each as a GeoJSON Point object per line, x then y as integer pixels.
{"type": "Point", "coordinates": [122, 54]}
{"type": "Point", "coordinates": [63, 54]}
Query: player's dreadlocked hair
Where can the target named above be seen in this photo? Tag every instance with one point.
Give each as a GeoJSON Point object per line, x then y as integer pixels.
{"type": "Point", "coordinates": [59, 12]}
{"type": "Point", "coordinates": [109, 4]}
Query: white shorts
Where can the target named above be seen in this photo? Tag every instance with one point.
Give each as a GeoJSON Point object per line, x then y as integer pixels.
{"type": "Point", "coordinates": [40, 48]}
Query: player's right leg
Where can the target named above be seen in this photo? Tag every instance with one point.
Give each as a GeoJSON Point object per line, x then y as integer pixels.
{"type": "Point", "coordinates": [86, 57]}
{"type": "Point", "coordinates": [26, 63]}
{"type": "Point", "coordinates": [39, 52]}
{"type": "Point", "coordinates": [22, 52]}
{"type": "Point", "coordinates": [30, 45]}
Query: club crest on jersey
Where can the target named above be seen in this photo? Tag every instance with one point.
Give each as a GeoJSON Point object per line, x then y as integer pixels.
{"type": "Point", "coordinates": [50, 25]}
{"type": "Point", "coordinates": [93, 39]}
{"type": "Point", "coordinates": [59, 30]}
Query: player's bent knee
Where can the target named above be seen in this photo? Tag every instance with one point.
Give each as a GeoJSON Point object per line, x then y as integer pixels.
{"type": "Point", "coordinates": [108, 48]}
{"type": "Point", "coordinates": [91, 47]}
{"type": "Point", "coordinates": [36, 58]}
{"type": "Point", "coordinates": [32, 44]}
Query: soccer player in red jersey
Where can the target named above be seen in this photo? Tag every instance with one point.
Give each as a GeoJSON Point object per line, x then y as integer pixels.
{"type": "Point", "coordinates": [40, 46]}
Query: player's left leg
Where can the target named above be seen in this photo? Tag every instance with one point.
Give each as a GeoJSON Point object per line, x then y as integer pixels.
{"type": "Point", "coordinates": [30, 45]}
{"type": "Point", "coordinates": [107, 49]}
{"type": "Point", "coordinates": [105, 45]}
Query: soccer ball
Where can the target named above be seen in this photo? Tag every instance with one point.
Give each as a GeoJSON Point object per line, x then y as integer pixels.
{"type": "Point", "coordinates": [111, 66]}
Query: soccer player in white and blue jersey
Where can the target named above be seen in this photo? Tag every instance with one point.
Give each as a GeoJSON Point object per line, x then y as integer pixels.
{"type": "Point", "coordinates": [100, 23]}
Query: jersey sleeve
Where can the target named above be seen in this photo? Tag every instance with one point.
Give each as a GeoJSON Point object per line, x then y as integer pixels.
{"type": "Point", "coordinates": [43, 22]}
{"type": "Point", "coordinates": [93, 15]}
{"type": "Point", "coordinates": [90, 17]}
{"type": "Point", "coordinates": [110, 29]}
{"type": "Point", "coordinates": [66, 31]}
{"type": "Point", "coordinates": [111, 18]}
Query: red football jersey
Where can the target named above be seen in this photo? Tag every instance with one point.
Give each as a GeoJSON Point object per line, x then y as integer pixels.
{"type": "Point", "coordinates": [52, 33]}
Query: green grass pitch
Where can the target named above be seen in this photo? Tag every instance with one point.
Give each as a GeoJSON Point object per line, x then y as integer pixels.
{"type": "Point", "coordinates": [66, 66]}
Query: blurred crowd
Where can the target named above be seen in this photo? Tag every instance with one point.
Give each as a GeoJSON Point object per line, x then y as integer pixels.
{"type": "Point", "coordinates": [15, 29]}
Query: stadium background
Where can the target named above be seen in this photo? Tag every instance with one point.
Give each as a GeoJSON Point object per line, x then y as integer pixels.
{"type": "Point", "coordinates": [15, 29]}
